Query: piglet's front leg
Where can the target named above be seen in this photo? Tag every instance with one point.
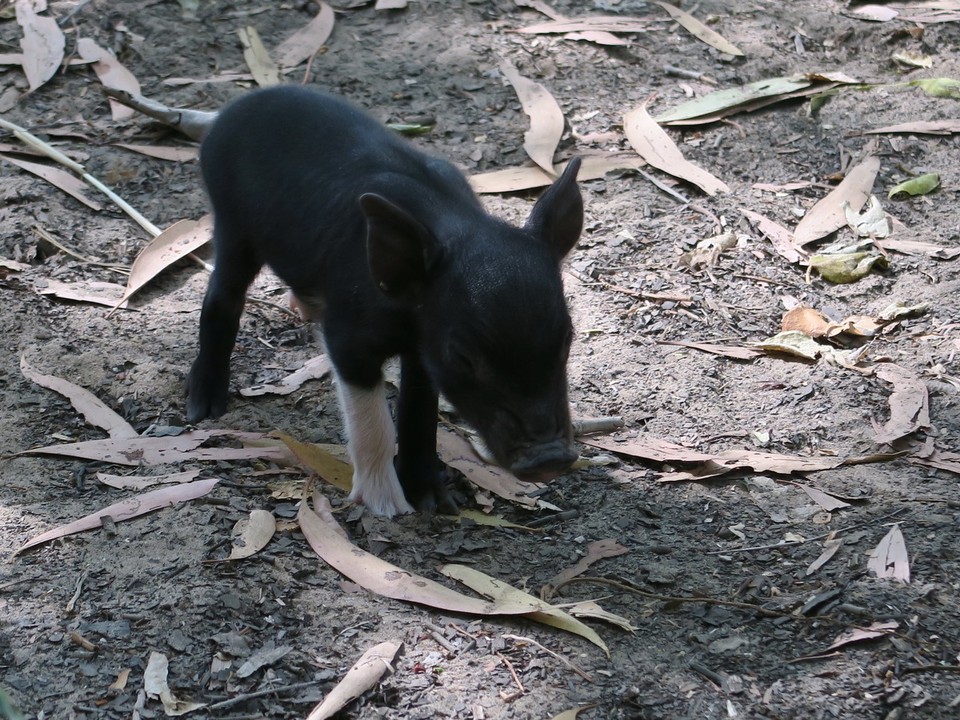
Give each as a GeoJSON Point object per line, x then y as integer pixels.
{"type": "Point", "coordinates": [371, 441]}
{"type": "Point", "coordinates": [422, 475]}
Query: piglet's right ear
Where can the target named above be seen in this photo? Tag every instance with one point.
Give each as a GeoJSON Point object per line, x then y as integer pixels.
{"type": "Point", "coordinates": [400, 250]}
{"type": "Point", "coordinates": [558, 215]}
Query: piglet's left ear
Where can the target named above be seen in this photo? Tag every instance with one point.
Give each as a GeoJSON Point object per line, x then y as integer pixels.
{"type": "Point", "coordinates": [400, 249]}
{"type": "Point", "coordinates": [557, 218]}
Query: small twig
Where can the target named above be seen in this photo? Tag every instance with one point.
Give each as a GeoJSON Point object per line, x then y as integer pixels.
{"type": "Point", "coordinates": [559, 657]}
{"type": "Point", "coordinates": [666, 188]}
{"type": "Point", "coordinates": [516, 679]}
{"type": "Point", "coordinates": [45, 235]}
{"type": "Point", "coordinates": [437, 634]}
{"type": "Point", "coordinates": [588, 426]}
{"type": "Point", "coordinates": [261, 693]}
{"type": "Point", "coordinates": [690, 74]}
{"type": "Point", "coordinates": [709, 674]}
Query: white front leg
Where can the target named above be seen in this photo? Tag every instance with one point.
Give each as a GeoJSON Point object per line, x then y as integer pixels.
{"type": "Point", "coordinates": [371, 442]}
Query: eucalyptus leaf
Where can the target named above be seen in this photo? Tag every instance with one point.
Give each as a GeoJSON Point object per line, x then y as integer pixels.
{"type": "Point", "coordinates": [919, 185]}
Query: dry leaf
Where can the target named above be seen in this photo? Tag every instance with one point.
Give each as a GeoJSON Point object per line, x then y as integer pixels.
{"type": "Point", "coordinates": [546, 117]}
{"type": "Point", "coordinates": [877, 629]}
{"type": "Point", "coordinates": [111, 73]}
{"type": "Point", "coordinates": [909, 403]}
{"type": "Point", "coordinates": [526, 178]}
{"type": "Point", "coordinates": [95, 292]}
{"type": "Point", "coordinates": [731, 351]}
{"type": "Point", "coordinates": [647, 448]}
{"type": "Point", "coordinates": [163, 152]}
{"type": "Point", "coordinates": [173, 244]}
{"type": "Point", "coordinates": [94, 410]}
{"type": "Point", "coordinates": [830, 548]}
{"type": "Point", "coordinates": [321, 460]}
{"type": "Point", "coordinates": [779, 236]}
{"type": "Point", "coordinates": [364, 674]}
{"type": "Point", "coordinates": [920, 127]}
{"type": "Point", "coordinates": [265, 72]}
{"type": "Point", "coordinates": [42, 42]}
{"type": "Point", "coordinates": [828, 214]}
{"type": "Point", "coordinates": [457, 453]}
{"type": "Point", "coordinates": [313, 369]}
{"type": "Point", "coordinates": [596, 36]}
{"type": "Point", "coordinates": [499, 592]}
{"type": "Point", "coordinates": [590, 609]}
{"type": "Point", "coordinates": [306, 41]}
{"type": "Point", "coordinates": [889, 558]}
{"type": "Point", "coordinates": [252, 533]}
{"type": "Point", "coordinates": [481, 518]}
{"type": "Point", "coordinates": [163, 450]}
{"type": "Point", "coordinates": [808, 321]}
{"type": "Point", "coordinates": [701, 31]}
{"type": "Point", "coordinates": [382, 578]}
{"type": "Point", "coordinates": [62, 179]}
{"type": "Point", "coordinates": [824, 500]}
{"type": "Point", "coordinates": [654, 145]}
{"type": "Point", "coordinates": [390, 5]}
{"type": "Point", "coordinates": [597, 550]}
{"type": "Point", "coordinates": [155, 685]}
{"type": "Point", "coordinates": [128, 509]}
{"type": "Point", "coordinates": [142, 482]}
{"type": "Point", "coordinates": [263, 657]}
{"type": "Point", "coordinates": [603, 23]}
{"type": "Point", "coordinates": [791, 342]}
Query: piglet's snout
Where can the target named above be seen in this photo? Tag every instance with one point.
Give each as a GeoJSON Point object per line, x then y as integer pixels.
{"type": "Point", "coordinates": [544, 461]}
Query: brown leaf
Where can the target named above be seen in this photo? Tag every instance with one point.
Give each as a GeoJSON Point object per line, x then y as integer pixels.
{"type": "Point", "coordinates": [163, 152]}
{"type": "Point", "coordinates": [824, 500]}
{"type": "Point", "coordinates": [173, 244]}
{"type": "Point", "coordinates": [42, 42]}
{"type": "Point", "coordinates": [909, 403]}
{"type": "Point", "coordinates": [306, 41]}
{"type": "Point", "coordinates": [731, 351]}
{"type": "Point", "coordinates": [457, 453]}
{"type": "Point", "coordinates": [163, 450]}
{"type": "Point", "coordinates": [382, 578]}
{"type": "Point", "coordinates": [654, 145]}
{"type": "Point", "coordinates": [597, 550]}
{"type": "Point", "coordinates": [313, 369]}
{"type": "Point", "coordinates": [526, 178]}
{"type": "Point", "coordinates": [142, 482]}
{"type": "Point", "coordinates": [363, 675]}
{"type": "Point", "coordinates": [95, 291]}
{"type": "Point", "coordinates": [876, 630]}
{"type": "Point", "coordinates": [321, 460]}
{"type": "Point", "coordinates": [889, 558]}
{"type": "Point", "coordinates": [62, 179]}
{"type": "Point", "coordinates": [701, 31]}
{"type": "Point", "coordinates": [779, 236]}
{"type": "Point", "coordinates": [808, 321]}
{"type": "Point", "coordinates": [920, 127]}
{"type": "Point", "coordinates": [252, 533]}
{"type": "Point", "coordinates": [94, 410]}
{"type": "Point", "coordinates": [828, 214]}
{"type": "Point", "coordinates": [128, 509]}
{"type": "Point", "coordinates": [612, 23]}
{"type": "Point", "coordinates": [546, 117]}
{"type": "Point", "coordinates": [830, 548]}
{"type": "Point", "coordinates": [111, 73]}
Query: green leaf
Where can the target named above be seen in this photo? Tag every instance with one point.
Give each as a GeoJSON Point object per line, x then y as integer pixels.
{"type": "Point", "coordinates": [919, 185]}
{"type": "Point", "coordinates": [732, 97]}
{"type": "Point", "coordinates": [939, 87]}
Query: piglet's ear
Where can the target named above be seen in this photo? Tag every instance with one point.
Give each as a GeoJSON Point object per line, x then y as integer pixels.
{"type": "Point", "coordinates": [400, 250]}
{"type": "Point", "coordinates": [557, 217]}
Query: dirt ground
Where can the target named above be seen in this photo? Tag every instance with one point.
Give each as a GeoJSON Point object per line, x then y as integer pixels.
{"type": "Point", "coordinates": [726, 617]}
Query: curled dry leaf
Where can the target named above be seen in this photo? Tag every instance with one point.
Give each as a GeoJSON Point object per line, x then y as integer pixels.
{"type": "Point", "coordinates": [808, 321]}
{"type": "Point", "coordinates": [127, 510]}
{"type": "Point", "coordinates": [70, 184]}
{"type": "Point", "coordinates": [364, 674]}
{"type": "Point", "coordinates": [779, 236]}
{"type": "Point", "coordinates": [590, 609]}
{"type": "Point", "coordinates": [156, 687]}
{"type": "Point", "coordinates": [306, 41]}
{"type": "Point", "coordinates": [499, 591]}
{"type": "Point", "coordinates": [654, 145]}
{"type": "Point", "coordinates": [889, 558]}
{"type": "Point", "coordinates": [828, 215]}
{"type": "Point", "coordinates": [252, 533]}
{"type": "Point", "coordinates": [872, 223]}
{"type": "Point", "coordinates": [457, 453]}
{"type": "Point", "coordinates": [382, 578]}
{"type": "Point", "coordinates": [111, 73]}
{"type": "Point", "coordinates": [909, 403]}
{"type": "Point", "coordinates": [173, 244]}
{"type": "Point", "coordinates": [597, 550]}
{"type": "Point", "coordinates": [42, 42]}
{"type": "Point", "coordinates": [546, 117]}
{"type": "Point", "coordinates": [93, 409]}
{"type": "Point", "coordinates": [874, 631]}
{"type": "Point", "coordinates": [313, 369]}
